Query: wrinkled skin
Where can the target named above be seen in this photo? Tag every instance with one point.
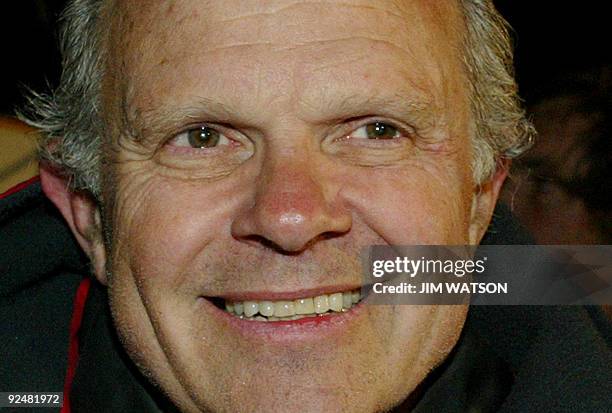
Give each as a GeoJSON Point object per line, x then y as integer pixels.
{"type": "Point", "coordinates": [290, 197]}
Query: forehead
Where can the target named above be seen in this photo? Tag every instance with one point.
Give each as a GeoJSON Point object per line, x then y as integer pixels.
{"type": "Point", "coordinates": [169, 52]}
{"type": "Point", "coordinates": [285, 22]}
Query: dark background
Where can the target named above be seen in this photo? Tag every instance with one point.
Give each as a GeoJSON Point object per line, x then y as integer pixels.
{"type": "Point", "coordinates": [551, 36]}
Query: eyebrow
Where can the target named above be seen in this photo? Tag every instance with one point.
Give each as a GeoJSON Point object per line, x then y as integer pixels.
{"type": "Point", "coordinates": [155, 124]}
{"type": "Point", "coordinates": [412, 108]}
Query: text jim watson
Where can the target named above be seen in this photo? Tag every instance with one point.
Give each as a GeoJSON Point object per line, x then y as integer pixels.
{"type": "Point", "coordinates": [441, 288]}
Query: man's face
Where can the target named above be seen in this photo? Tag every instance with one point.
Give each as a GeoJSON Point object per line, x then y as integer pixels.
{"type": "Point", "coordinates": [258, 147]}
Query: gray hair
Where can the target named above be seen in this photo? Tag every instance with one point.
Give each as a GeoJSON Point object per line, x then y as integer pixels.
{"type": "Point", "coordinates": [69, 118]}
{"type": "Point", "coordinates": [72, 126]}
{"type": "Point", "coordinates": [502, 130]}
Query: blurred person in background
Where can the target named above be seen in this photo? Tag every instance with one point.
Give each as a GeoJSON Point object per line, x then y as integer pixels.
{"type": "Point", "coordinates": [560, 190]}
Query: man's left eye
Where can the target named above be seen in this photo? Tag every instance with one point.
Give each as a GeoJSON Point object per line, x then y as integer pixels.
{"type": "Point", "coordinates": [376, 130]}
{"type": "Point", "coordinates": [200, 138]}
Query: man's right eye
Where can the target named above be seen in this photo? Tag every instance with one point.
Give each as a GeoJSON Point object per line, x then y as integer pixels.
{"type": "Point", "coordinates": [200, 138]}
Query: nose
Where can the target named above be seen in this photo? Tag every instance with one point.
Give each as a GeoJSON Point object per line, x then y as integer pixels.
{"type": "Point", "coordinates": [294, 206]}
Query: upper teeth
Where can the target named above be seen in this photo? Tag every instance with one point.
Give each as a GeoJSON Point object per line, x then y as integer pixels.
{"type": "Point", "coordinates": [292, 310]}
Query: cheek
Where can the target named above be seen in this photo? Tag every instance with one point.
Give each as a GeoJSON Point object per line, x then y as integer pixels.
{"type": "Point", "coordinates": [412, 206]}
{"type": "Point", "coordinates": [164, 224]}
{"type": "Point", "coordinates": [440, 327]}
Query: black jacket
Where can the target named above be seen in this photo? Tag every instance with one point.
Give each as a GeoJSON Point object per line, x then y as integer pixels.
{"type": "Point", "coordinates": [508, 359]}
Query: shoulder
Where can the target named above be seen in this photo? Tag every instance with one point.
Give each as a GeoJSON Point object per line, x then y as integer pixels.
{"type": "Point", "coordinates": [40, 269]}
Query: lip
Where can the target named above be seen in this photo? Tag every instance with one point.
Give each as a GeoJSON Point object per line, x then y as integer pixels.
{"type": "Point", "coordinates": [307, 329]}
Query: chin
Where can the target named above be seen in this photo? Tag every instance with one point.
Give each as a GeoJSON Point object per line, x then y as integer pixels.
{"type": "Point", "coordinates": [368, 364]}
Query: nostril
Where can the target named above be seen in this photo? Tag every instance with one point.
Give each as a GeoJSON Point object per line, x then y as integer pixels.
{"type": "Point", "coordinates": [258, 240]}
{"type": "Point", "coordinates": [323, 237]}
{"type": "Point", "coordinates": [263, 242]}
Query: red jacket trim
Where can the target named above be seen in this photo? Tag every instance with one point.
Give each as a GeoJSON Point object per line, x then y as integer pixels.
{"type": "Point", "coordinates": [19, 187]}
{"type": "Point", "coordinates": [73, 348]}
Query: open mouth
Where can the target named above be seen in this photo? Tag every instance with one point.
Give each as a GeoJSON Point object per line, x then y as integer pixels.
{"type": "Point", "coordinates": [288, 310]}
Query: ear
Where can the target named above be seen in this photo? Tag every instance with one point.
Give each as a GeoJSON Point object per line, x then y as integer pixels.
{"type": "Point", "coordinates": [81, 212]}
{"type": "Point", "coordinates": [484, 200]}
